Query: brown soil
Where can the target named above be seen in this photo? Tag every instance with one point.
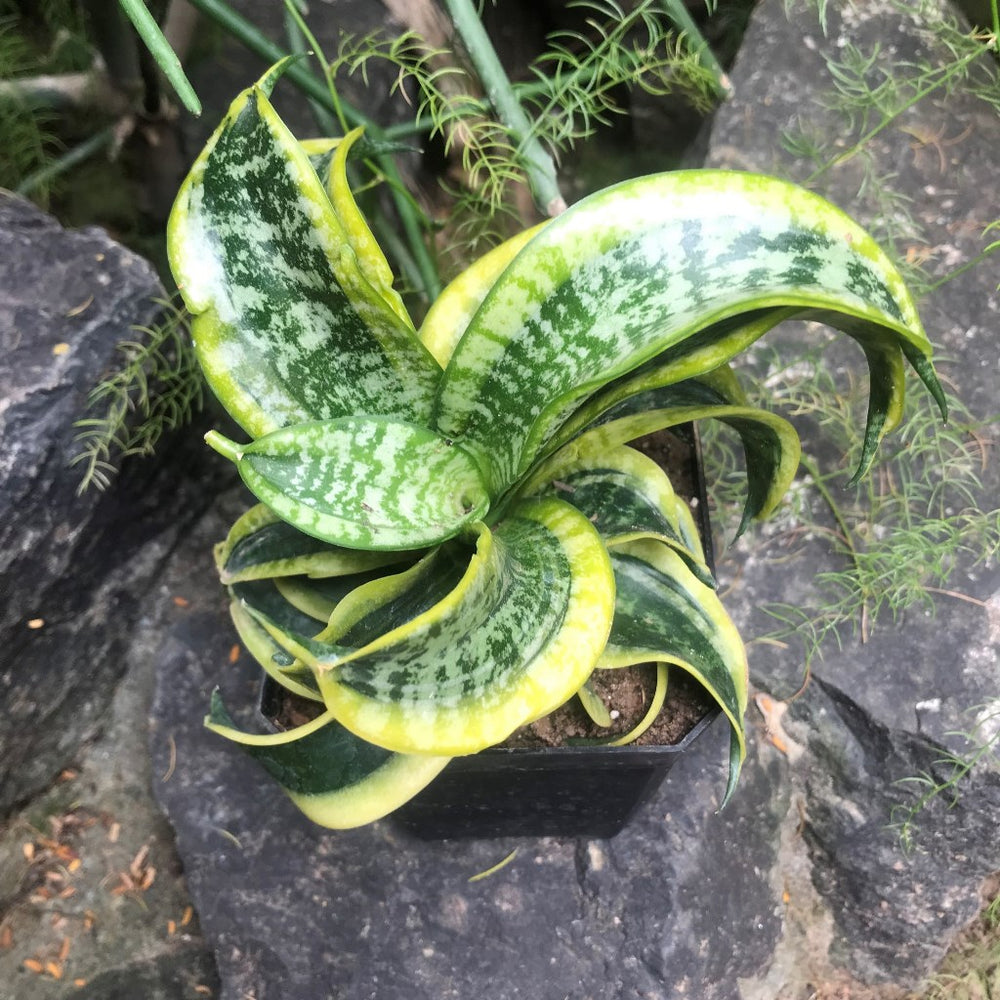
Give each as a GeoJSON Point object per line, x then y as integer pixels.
{"type": "Point", "coordinates": [627, 691]}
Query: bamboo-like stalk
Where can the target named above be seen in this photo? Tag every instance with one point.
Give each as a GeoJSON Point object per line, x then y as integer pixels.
{"type": "Point", "coordinates": [539, 167]}
{"type": "Point", "coordinates": [683, 20]}
{"type": "Point", "coordinates": [149, 31]}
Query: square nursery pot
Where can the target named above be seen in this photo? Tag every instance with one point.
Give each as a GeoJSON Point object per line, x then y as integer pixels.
{"type": "Point", "coordinates": [587, 791]}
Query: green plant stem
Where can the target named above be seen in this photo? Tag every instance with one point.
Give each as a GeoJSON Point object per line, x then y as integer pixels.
{"type": "Point", "coordinates": [834, 507]}
{"type": "Point", "coordinates": [967, 266]}
{"type": "Point", "coordinates": [249, 35]}
{"type": "Point", "coordinates": [166, 58]}
{"type": "Point", "coordinates": [297, 42]}
{"type": "Point", "coordinates": [78, 154]}
{"type": "Point", "coordinates": [539, 168]}
{"type": "Point", "coordinates": [678, 13]}
{"type": "Point", "coordinates": [929, 88]}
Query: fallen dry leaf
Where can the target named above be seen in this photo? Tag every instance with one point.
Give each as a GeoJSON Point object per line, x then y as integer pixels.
{"type": "Point", "coordinates": [82, 307]}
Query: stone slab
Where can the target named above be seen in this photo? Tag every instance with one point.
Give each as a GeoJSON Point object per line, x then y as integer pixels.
{"type": "Point", "coordinates": [73, 568]}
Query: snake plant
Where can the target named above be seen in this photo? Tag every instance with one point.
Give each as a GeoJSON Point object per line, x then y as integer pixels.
{"type": "Point", "coordinates": [453, 531]}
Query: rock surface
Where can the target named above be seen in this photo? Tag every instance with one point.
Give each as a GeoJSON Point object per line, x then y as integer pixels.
{"type": "Point", "coordinates": [73, 569]}
{"type": "Point", "coordinates": [82, 598]}
{"type": "Point", "coordinates": [879, 714]}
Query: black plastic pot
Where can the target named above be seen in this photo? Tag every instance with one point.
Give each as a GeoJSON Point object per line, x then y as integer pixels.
{"type": "Point", "coordinates": [582, 791]}
{"type": "Point", "coordinates": [552, 791]}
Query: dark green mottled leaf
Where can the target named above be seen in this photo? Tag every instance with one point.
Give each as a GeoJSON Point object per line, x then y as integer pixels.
{"type": "Point", "coordinates": [336, 779]}
{"type": "Point", "coordinates": [636, 269]}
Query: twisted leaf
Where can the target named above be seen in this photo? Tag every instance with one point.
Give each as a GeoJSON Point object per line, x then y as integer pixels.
{"type": "Point", "coordinates": [636, 269]}
{"type": "Point", "coordinates": [516, 637]}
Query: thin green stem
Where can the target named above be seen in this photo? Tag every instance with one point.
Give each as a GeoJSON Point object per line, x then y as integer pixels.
{"type": "Point", "coordinates": [828, 499]}
{"type": "Point", "coordinates": [149, 31]}
{"type": "Point", "coordinates": [539, 167]}
{"type": "Point", "coordinates": [78, 154]}
{"type": "Point", "coordinates": [942, 78]}
{"type": "Point", "coordinates": [967, 266]}
{"type": "Point", "coordinates": [298, 42]}
{"type": "Point", "coordinates": [403, 130]}
{"type": "Point", "coordinates": [248, 34]}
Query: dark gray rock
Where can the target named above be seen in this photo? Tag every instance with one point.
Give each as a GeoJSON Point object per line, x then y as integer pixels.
{"type": "Point", "coordinates": [881, 713]}
{"type": "Point", "coordinates": [173, 976]}
{"type": "Point", "coordinates": [74, 570]}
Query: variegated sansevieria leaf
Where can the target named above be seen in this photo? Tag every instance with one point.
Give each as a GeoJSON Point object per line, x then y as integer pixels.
{"type": "Point", "coordinates": [260, 545]}
{"type": "Point", "coordinates": [633, 270]}
{"type": "Point", "coordinates": [449, 315]}
{"type": "Point", "coordinates": [663, 613]}
{"type": "Point", "coordinates": [287, 325]}
{"type": "Point", "coordinates": [516, 637]}
{"type": "Point", "coordinates": [697, 356]}
{"type": "Point", "coordinates": [625, 495]}
{"type": "Point", "coordinates": [333, 154]}
{"type": "Point", "coordinates": [771, 445]}
{"type": "Point", "coordinates": [296, 678]}
{"type": "Point", "coordinates": [364, 483]}
{"type": "Point", "coordinates": [337, 780]}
